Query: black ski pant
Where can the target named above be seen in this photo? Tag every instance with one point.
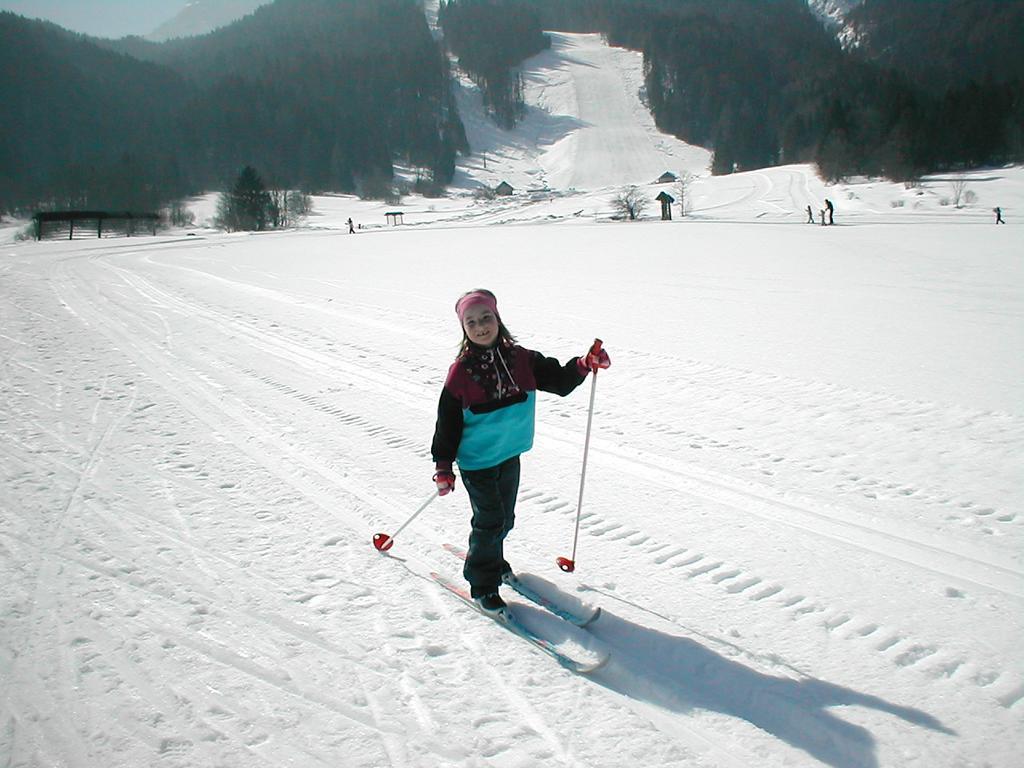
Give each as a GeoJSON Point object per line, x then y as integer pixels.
{"type": "Point", "coordinates": [492, 494]}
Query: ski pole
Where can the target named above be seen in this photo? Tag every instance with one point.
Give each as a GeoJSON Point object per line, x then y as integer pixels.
{"type": "Point", "coordinates": [383, 542]}
{"type": "Point", "coordinates": [568, 564]}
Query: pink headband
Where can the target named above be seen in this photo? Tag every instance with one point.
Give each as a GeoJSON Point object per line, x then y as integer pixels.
{"type": "Point", "coordinates": [473, 298]}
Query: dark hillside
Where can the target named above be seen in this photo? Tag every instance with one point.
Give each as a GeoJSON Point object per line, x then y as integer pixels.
{"type": "Point", "coordinates": [73, 109]}
{"type": "Point", "coordinates": [934, 86]}
{"type": "Point", "coordinates": [944, 43]}
{"type": "Point", "coordinates": [316, 94]}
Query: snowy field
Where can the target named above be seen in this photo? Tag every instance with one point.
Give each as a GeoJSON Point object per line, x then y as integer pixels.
{"type": "Point", "coordinates": [803, 512]}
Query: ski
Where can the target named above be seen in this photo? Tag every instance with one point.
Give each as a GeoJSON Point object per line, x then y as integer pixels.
{"type": "Point", "coordinates": [508, 620]}
{"type": "Point", "coordinates": [579, 618]}
{"type": "Point", "coordinates": [582, 615]}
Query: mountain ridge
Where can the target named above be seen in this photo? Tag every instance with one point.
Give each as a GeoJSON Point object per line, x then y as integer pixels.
{"type": "Point", "coordinates": [201, 16]}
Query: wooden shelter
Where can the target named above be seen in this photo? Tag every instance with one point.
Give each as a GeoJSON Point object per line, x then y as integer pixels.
{"type": "Point", "coordinates": [115, 221]}
{"type": "Point", "coordinates": [393, 218]}
{"type": "Point", "coordinates": [666, 201]}
{"type": "Point", "coordinates": [504, 189]}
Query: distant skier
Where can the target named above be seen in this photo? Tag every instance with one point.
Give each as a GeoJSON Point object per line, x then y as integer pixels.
{"type": "Point", "coordinates": [810, 215]}
{"type": "Point", "coordinates": [830, 209]}
{"type": "Point", "coordinates": [485, 419]}
{"type": "Point", "coordinates": [351, 227]}
{"type": "Point", "coordinates": [999, 215]}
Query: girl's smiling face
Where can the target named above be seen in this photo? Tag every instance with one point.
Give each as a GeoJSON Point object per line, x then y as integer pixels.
{"type": "Point", "coordinates": [480, 325]}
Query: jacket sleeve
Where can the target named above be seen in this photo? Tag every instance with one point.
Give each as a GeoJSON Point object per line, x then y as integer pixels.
{"type": "Point", "coordinates": [447, 431]}
{"type": "Point", "coordinates": [552, 376]}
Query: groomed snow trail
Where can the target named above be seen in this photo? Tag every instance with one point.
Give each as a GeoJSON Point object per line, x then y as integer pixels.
{"type": "Point", "coordinates": [207, 591]}
{"type": "Point", "coordinates": [204, 435]}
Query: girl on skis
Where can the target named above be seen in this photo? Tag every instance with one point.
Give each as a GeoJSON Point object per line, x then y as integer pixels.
{"type": "Point", "coordinates": [485, 419]}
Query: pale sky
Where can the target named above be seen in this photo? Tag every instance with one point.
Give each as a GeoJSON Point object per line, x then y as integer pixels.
{"type": "Point", "coordinates": [103, 18]}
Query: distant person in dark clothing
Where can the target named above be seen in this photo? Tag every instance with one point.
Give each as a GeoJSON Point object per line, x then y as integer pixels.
{"type": "Point", "coordinates": [830, 209]}
{"type": "Point", "coordinates": [810, 215]}
{"type": "Point", "coordinates": [351, 228]}
{"type": "Point", "coordinates": [999, 215]}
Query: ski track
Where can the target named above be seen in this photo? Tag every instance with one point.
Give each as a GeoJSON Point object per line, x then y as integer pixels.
{"type": "Point", "coordinates": [206, 394]}
{"type": "Point", "coordinates": [215, 392]}
{"type": "Point", "coordinates": [869, 486]}
{"type": "Point", "coordinates": [83, 310]}
{"type": "Point", "coordinates": [412, 442]}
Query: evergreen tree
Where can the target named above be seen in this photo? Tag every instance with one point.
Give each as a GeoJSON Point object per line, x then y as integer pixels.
{"type": "Point", "coordinates": [491, 37]}
{"type": "Point", "coordinates": [248, 206]}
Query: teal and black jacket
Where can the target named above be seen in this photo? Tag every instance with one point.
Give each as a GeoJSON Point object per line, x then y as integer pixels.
{"type": "Point", "coordinates": [486, 411]}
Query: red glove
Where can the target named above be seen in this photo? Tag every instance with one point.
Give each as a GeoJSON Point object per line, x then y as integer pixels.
{"type": "Point", "coordinates": [595, 358]}
{"type": "Point", "coordinates": [445, 480]}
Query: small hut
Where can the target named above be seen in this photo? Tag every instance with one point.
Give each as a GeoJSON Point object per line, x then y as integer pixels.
{"type": "Point", "coordinates": [666, 201]}
{"type": "Point", "coordinates": [667, 178]}
{"type": "Point", "coordinates": [504, 189]}
{"type": "Point", "coordinates": [393, 218]}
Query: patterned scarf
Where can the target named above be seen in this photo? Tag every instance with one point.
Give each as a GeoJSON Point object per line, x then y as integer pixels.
{"type": "Point", "coordinates": [491, 368]}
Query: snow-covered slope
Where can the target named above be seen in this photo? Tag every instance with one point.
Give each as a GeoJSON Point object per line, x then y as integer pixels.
{"type": "Point", "coordinates": [585, 128]}
{"type": "Point", "coordinates": [833, 12]}
{"type": "Point", "coordinates": [803, 503]}
{"type": "Point", "coordinates": [201, 16]}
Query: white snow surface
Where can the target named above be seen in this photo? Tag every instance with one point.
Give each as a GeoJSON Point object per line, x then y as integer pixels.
{"type": "Point", "coordinates": [802, 514]}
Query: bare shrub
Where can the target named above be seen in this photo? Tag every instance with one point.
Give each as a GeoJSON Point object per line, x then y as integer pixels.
{"type": "Point", "coordinates": [630, 202]}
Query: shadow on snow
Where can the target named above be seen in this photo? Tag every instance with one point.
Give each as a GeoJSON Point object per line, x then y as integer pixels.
{"type": "Point", "coordinates": [681, 674]}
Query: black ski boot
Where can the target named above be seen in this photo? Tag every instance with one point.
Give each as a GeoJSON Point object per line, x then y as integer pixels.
{"type": "Point", "coordinates": [491, 604]}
